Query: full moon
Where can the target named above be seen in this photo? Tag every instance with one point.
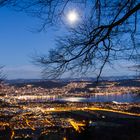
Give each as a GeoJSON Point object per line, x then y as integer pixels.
{"type": "Point", "coordinates": [72, 17]}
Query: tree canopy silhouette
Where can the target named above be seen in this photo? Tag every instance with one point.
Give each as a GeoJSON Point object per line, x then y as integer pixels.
{"type": "Point", "coordinates": [108, 30]}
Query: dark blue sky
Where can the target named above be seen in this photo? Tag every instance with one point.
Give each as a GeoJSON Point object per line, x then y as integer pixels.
{"type": "Point", "coordinates": [18, 43]}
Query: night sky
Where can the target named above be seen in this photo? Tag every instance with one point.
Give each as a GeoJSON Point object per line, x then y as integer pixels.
{"type": "Point", "coordinates": [19, 41]}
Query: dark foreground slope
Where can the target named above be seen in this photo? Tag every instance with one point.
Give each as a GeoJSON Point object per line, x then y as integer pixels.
{"type": "Point", "coordinates": [98, 125]}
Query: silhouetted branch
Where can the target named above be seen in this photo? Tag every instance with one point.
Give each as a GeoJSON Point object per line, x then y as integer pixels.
{"type": "Point", "coordinates": [2, 76]}
{"type": "Point", "coordinates": [108, 31]}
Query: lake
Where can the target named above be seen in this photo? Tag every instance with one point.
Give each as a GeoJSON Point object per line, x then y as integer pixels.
{"type": "Point", "coordinates": [130, 98]}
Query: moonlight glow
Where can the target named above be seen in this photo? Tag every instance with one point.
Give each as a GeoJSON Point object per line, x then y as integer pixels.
{"type": "Point", "coordinates": [72, 17]}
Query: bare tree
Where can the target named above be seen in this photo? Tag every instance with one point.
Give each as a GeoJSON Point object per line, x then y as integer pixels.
{"type": "Point", "coordinates": [107, 30]}
{"type": "Point", "coordinates": [2, 76]}
{"type": "Point", "coordinates": [136, 66]}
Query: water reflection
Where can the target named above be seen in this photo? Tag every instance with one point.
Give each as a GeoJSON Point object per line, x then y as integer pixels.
{"type": "Point", "coordinates": [104, 98]}
{"type": "Point", "coordinates": [130, 98]}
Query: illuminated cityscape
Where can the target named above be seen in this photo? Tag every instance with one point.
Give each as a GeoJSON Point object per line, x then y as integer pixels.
{"type": "Point", "coordinates": [29, 112]}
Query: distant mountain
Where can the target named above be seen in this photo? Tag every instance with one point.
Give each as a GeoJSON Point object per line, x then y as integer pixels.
{"type": "Point", "coordinates": [59, 83]}
{"type": "Point", "coordinates": [110, 78]}
{"type": "Point", "coordinates": [37, 83]}
{"type": "Point", "coordinates": [14, 81]}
